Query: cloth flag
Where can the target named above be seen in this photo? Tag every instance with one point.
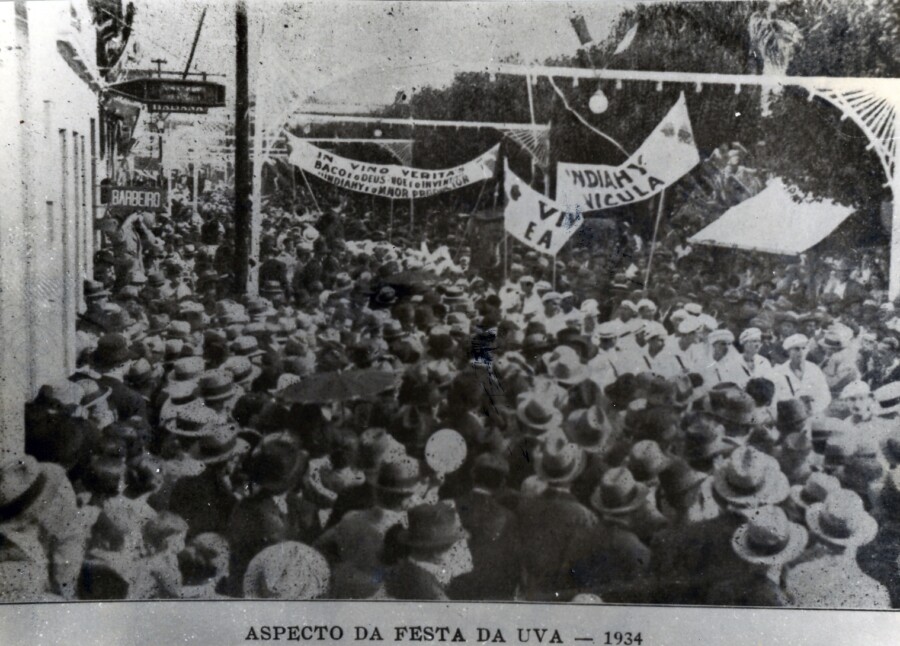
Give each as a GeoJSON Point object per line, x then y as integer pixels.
{"type": "Point", "coordinates": [664, 157]}
{"type": "Point", "coordinates": [389, 180]}
{"type": "Point", "coordinates": [535, 220]}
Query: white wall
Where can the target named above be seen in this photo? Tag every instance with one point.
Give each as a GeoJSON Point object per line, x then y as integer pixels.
{"type": "Point", "coordinates": [47, 202]}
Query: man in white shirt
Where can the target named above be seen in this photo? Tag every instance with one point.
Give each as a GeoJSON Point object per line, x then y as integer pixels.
{"type": "Point", "coordinates": [725, 366]}
{"type": "Point", "coordinates": [608, 365]}
{"type": "Point", "coordinates": [658, 357]}
{"type": "Point", "coordinates": [752, 363]}
{"type": "Point", "coordinates": [552, 316]}
{"type": "Point", "coordinates": [799, 378]}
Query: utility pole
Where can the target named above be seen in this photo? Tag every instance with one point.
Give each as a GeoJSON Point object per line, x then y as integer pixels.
{"type": "Point", "coordinates": [243, 180]}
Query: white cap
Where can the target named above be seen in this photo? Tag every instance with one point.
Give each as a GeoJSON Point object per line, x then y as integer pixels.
{"type": "Point", "coordinates": [590, 306]}
{"type": "Point", "coordinates": [708, 322]}
{"type": "Point", "coordinates": [750, 334]}
{"type": "Point", "coordinates": [646, 302]}
{"type": "Point", "coordinates": [795, 341]}
{"type": "Point", "coordinates": [609, 329]}
{"type": "Point", "coordinates": [689, 325]}
{"type": "Point", "coordinates": [693, 309]}
{"type": "Point", "coordinates": [721, 336]}
{"type": "Point", "coordinates": [655, 330]}
{"type": "Point", "coordinates": [857, 388]}
{"type": "Point", "coordinates": [628, 305]}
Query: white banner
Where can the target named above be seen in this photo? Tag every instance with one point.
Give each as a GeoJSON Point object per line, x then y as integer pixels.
{"type": "Point", "coordinates": [664, 157]}
{"type": "Point", "coordinates": [537, 221]}
{"type": "Point", "coordinates": [389, 180]}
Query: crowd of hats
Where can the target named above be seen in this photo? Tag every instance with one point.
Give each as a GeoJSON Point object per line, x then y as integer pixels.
{"type": "Point", "coordinates": [279, 397]}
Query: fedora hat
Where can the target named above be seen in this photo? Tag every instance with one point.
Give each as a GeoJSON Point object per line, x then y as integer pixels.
{"type": "Point", "coordinates": [816, 489]}
{"type": "Point", "coordinates": [536, 413]}
{"type": "Point", "coordinates": [841, 520]}
{"type": "Point", "coordinates": [679, 477]}
{"type": "Point", "coordinates": [433, 527]}
{"type": "Point", "coordinates": [732, 405]}
{"type": "Point", "coordinates": [112, 351]}
{"type": "Point", "coordinates": [94, 291]}
{"type": "Point", "coordinates": [377, 446]}
{"type": "Point", "coordinates": [287, 570]}
{"type": "Point", "coordinates": [21, 478]}
{"type": "Point", "coordinates": [585, 427]}
{"type": "Point", "coordinates": [400, 476]}
{"type": "Point", "coordinates": [219, 444]}
{"type": "Point", "coordinates": [567, 370]}
{"type": "Point", "coordinates": [558, 461]}
{"type": "Point", "coordinates": [824, 429]}
{"type": "Point", "coordinates": [277, 463]}
{"type": "Point", "coordinates": [646, 460]}
{"type": "Point", "coordinates": [751, 479]}
{"type": "Point", "coordinates": [769, 538]}
{"type": "Point", "coordinates": [619, 493]}
{"type": "Point", "coordinates": [792, 413]}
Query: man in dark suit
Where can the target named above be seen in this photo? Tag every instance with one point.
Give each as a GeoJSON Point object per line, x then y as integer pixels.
{"type": "Point", "coordinates": [549, 525]}
{"type": "Point", "coordinates": [438, 553]}
{"type": "Point", "coordinates": [496, 570]}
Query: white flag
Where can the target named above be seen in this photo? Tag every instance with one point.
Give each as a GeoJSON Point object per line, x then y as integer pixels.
{"type": "Point", "coordinates": [664, 157]}
{"type": "Point", "coordinates": [535, 220]}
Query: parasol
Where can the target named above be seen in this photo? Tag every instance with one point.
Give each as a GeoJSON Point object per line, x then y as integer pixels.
{"type": "Point", "coordinates": [339, 386]}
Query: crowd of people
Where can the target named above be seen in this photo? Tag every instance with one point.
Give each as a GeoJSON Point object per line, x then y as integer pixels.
{"type": "Point", "coordinates": [393, 418]}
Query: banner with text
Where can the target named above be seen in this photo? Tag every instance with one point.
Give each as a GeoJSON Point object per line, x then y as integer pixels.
{"type": "Point", "coordinates": [535, 220]}
{"type": "Point", "coordinates": [389, 180]}
{"type": "Point", "coordinates": [664, 157]}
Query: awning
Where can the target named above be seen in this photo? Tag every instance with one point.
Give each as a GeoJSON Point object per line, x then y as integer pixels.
{"type": "Point", "coordinates": [777, 220]}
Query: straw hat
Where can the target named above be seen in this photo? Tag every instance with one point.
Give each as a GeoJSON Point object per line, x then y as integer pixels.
{"type": "Point", "coordinates": [751, 479]}
{"type": "Point", "coordinates": [769, 538]}
{"type": "Point", "coordinates": [558, 461]}
{"type": "Point", "coordinates": [287, 570]}
{"type": "Point", "coordinates": [841, 520]}
{"type": "Point", "coordinates": [816, 489]}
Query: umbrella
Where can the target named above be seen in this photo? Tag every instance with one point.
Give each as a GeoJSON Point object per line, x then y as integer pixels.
{"type": "Point", "coordinates": [413, 277]}
{"type": "Point", "coordinates": [339, 386]}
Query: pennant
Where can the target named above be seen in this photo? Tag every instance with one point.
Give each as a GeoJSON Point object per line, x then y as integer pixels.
{"type": "Point", "coordinates": [665, 156]}
{"type": "Point", "coordinates": [581, 30]}
{"type": "Point", "coordinates": [535, 220]}
{"type": "Point", "coordinates": [626, 40]}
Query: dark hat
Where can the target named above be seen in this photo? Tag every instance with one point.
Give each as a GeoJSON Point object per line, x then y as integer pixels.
{"type": "Point", "coordinates": [558, 461]}
{"type": "Point", "coordinates": [401, 476]}
{"type": "Point", "coordinates": [618, 492]}
{"type": "Point", "coordinates": [792, 413]}
{"type": "Point", "coordinates": [94, 290]}
{"type": "Point", "coordinates": [277, 463]}
{"type": "Point", "coordinates": [679, 477]}
{"type": "Point", "coordinates": [732, 405]}
{"type": "Point", "coordinates": [434, 526]}
{"type": "Point", "coordinates": [112, 350]}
